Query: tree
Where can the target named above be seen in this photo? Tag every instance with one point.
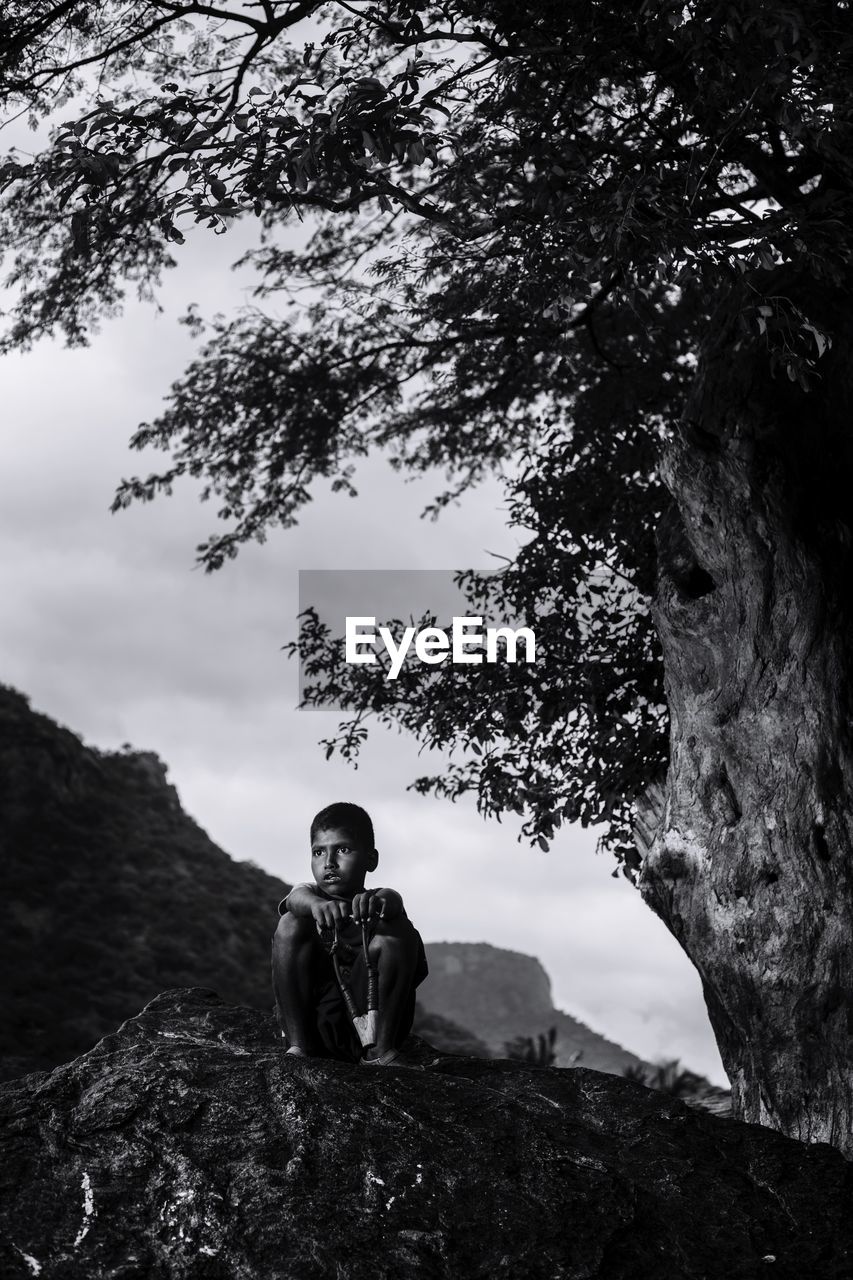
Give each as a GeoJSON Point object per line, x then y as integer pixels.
{"type": "Point", "coordinates": [611, 244]}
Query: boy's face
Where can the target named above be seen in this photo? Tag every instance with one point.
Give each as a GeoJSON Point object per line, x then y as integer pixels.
{"type": "Point", "coordinates": [340, 863]}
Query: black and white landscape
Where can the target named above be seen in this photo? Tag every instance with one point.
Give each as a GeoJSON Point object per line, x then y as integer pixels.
{"type": "Point", "coordinates": [555, 297]}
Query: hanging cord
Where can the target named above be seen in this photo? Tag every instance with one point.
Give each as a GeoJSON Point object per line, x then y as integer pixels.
{"type": "Point", "coordinates": [366, 1024]}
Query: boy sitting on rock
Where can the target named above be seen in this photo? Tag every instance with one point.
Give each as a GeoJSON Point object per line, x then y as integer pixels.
{"type": "Point", "coordinates": [322, 959]}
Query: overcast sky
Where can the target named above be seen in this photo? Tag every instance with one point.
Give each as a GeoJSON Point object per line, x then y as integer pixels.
{"type": "Point", "coordinates": [110, 629]}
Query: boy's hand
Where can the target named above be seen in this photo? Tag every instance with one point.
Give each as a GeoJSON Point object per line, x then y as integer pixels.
{"type": "Point", "coordinates": [367, 906]}
{"type": "Point", "coordinates": [329, 912]}
{"type": "Point", "coordinates": [389, 902]}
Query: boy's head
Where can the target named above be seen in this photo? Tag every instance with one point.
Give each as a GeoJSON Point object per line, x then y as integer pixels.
{"type": "Point", "coordinates": [342, 849]}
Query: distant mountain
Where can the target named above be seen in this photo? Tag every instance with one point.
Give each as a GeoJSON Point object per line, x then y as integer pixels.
{"type": "Point", "coordinates": [501, 995]}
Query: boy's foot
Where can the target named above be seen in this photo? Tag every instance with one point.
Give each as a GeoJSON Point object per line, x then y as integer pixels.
{"type": "Point", "coordinates": [295, 1052]}
{"type": "Point", "coordinates": [391, 1058]}
{"type": "Point", "coordinates": [381, 1060]}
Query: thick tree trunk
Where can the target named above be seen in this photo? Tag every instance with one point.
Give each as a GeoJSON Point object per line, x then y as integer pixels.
{"type": "Point", "coordinates": [751, 866]}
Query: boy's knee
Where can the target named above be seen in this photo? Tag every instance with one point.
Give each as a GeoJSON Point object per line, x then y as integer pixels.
{"type": "Point", "coordinates": [291, 929]}
{"type": "Point", "coordinates": [398, 935]}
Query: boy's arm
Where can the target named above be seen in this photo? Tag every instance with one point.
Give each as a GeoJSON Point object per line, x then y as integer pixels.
{"type": "Point", "coordinates": [307, 900]}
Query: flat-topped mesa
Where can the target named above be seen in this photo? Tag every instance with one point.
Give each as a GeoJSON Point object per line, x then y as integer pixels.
{"type": "Point", "coordinates": [502, 995]}
{"type": "Point", "coordinates": [187, 1145]}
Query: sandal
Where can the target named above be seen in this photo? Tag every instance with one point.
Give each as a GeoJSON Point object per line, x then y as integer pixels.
{"type": "Point", "coordinates": [386, 1059]}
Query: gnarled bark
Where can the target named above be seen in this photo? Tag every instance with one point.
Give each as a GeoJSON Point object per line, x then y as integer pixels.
{"type": "Point", "coordinates": [751, 865]}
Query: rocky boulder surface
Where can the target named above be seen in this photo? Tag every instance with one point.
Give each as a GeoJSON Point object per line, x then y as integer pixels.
{"type": "Point", "coordinates": [186, 1145]}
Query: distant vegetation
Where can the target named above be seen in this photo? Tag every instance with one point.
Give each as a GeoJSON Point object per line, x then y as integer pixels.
{"type": "Point", "coordinates": [539, 1050]}
{"type": "Point", "coordinates": [671, 1078]}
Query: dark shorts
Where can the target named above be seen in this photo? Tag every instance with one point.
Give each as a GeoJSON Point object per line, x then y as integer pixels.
{"type": "Point", "coordinates": [333, 1027]}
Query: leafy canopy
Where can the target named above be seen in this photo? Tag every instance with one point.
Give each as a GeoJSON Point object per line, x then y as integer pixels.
{"type": "Point", "coordinates": [516, 225]}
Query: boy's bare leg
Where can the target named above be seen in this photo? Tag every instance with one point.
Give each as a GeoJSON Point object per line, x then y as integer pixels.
{"type": "Point", "coordinates": [294, 951]}
{"type": "Point", "coordinates": [394, 949]}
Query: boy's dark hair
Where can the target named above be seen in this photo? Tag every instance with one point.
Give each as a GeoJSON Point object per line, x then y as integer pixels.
{"type": "Point", "coordinates": [348, 817]}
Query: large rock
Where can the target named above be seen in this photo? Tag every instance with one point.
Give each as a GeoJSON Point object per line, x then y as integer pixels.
{"type": "Point", "coordinates": [187, 1145]}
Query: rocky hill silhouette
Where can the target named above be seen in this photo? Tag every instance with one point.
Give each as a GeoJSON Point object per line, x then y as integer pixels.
{"type": "Point", "coordinates": [110, 893]}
